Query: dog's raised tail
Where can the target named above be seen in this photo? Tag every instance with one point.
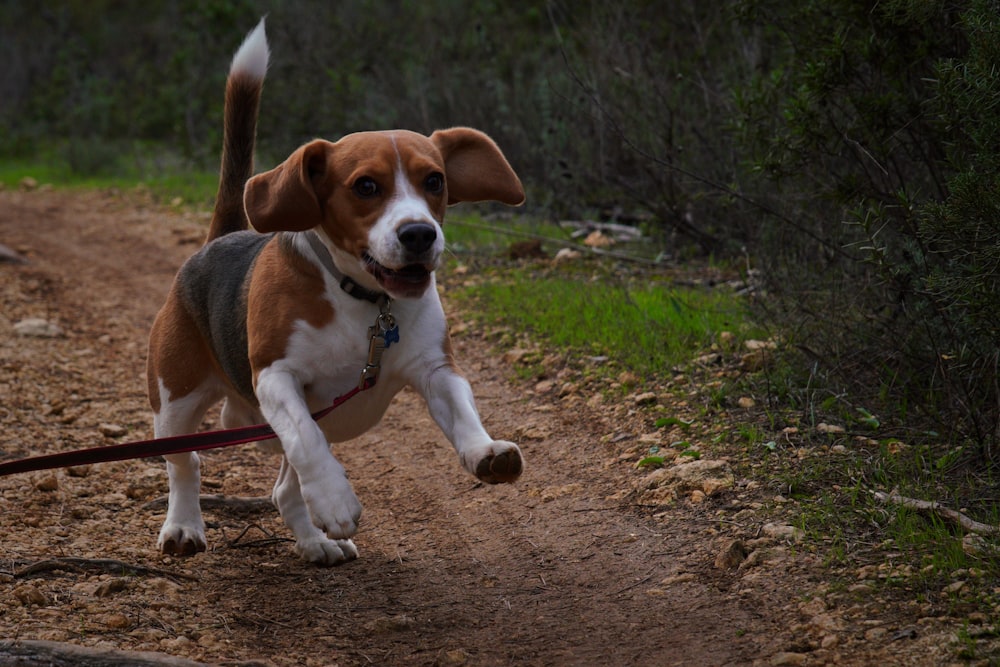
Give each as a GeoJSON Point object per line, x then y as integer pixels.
{"type": "Point", "coordinates": [243, 88]}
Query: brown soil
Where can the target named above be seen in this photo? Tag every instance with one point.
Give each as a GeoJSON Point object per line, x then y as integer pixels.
{"type": "Point", "coordinates": [563, 568]}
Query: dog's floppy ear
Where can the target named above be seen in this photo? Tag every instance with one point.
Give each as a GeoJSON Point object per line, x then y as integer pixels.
{"type": "Point", "coordinates": [289, 197]}
{"type": "Point", "coordinates": [475, 168]}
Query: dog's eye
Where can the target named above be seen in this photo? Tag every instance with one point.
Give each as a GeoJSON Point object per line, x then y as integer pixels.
{"type": "Point", "coordinates": [434, 183]}
{"type": "Point", "coordinates": [365, 187]}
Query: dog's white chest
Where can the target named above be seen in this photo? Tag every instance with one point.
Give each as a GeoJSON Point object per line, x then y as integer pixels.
{"type": "Point", "coordinates": [329, 363]}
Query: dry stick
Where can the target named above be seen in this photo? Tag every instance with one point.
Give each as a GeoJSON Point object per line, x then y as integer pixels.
{"type": "Point", "coordinates": [219, 501]}
{"type": "Point", "coordinates": [970, 525]}
{"type": "Point", "coordinates": [58, 654]}
{"type": "Point", "coordinates": [548, 239]}
{"type": "Point", "coordinates": [103, 564]}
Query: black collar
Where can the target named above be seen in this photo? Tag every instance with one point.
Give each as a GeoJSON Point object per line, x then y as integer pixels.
{"type": "Point", "coordinates": [347, 283]}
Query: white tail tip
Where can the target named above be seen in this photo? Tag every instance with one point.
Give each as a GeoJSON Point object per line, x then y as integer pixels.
{"type": "Point", "coordinates": [252, 56]}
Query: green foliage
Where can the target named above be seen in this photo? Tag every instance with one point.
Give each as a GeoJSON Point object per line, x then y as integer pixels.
{"type": "Point", "coordinates": [884, 116]}
{"type": "Point", "coordinates": [647, 329]}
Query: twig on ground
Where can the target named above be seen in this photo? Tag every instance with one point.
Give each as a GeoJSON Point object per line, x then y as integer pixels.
{"type": "Point", "coordinates": [58, 654]}
{"type": "Point", "coordinates": [220, 501]}
{"type": "Point", "coordinates": [102, 564]}
{"type": "Point", "coordinates": [969, 525]}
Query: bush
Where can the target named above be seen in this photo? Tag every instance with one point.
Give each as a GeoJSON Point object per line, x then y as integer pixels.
{"type": "Point", "coordinates": [877, 125]}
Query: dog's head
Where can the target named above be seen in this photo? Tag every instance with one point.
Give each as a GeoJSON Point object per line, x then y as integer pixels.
{"type": "Point", "coordinates": [380, 198]}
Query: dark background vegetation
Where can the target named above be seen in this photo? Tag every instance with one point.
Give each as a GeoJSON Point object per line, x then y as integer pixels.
{"type": "Point", "coordinates": [846, 151]}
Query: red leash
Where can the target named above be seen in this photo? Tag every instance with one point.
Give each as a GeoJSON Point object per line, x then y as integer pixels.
{"type": "Point", "coordinates": [191, 442]}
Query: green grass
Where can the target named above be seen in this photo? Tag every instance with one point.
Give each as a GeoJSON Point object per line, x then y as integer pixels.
{"type": "Point", "coordinates": [166, 178]}
{"type": "Point", "coordinates": [645, 326]}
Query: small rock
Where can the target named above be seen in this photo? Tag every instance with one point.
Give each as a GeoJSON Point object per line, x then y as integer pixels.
{"type": "Point", "coordinates": [789, 658]}
{"type": "Point", "coordinates": [78, 471]}
{"type": "Point", "coordinates": [646, 398]}
{"type": "Point", "coordinates": [758, 356]}
{"type": "Point", "coordinates": [823, 427]}
{"type": "Point", "coordinates": [10, 255]}
{"type": "Point", "coordinates": [566, 255]}
{"type": "Point", "coordinates": [731, 555]}
{"type": "Point", "coordinates": [112, 430]}
{"type": "Point", "coordinates": [954, 587]}
{"type": "Point", "coordinates": [829, 641]}
{"type": "Point", "coordinates": [29, 595]}
{"type": "Point", "coordinates": [47, 484]}
{"type": "Point", "coordinates": [455, 657]}
{"type": "Point", "coordinates": [177, 644]}
{"type": "Point", "coordinates": [781, 531]}
{"type": "Point", "coordinates": [746, 402]}
{"type": "Point", "coordinates": [597, 239]}
{"type": "Point", "coordinates": [116, 621]}
{"type": "Point", "coordinates": [110, 587]}
{"type": "Point", "coordinates": [391, 624]}
{"type": "Point", "coordinates": [516, 355]}
{"type": "Point", "coordinates": [545, 386]}
{"type": "Point", "coordinates": [28, 184]}
{"type": "Point", "coordinates": [679, 579]}
{"type": "Point", "coordinates": [760, 345]}
{"type": "Point", "coordinates": [36, 327]}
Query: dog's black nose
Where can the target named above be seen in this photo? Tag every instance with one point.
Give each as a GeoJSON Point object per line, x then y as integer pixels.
{"type": "Point", "coordinates": [417, 237]}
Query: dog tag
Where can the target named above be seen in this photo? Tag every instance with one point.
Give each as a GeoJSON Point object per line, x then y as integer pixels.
{"type": "Point", "coordinates": [391, 336]}
{"type": "Point", "coordinates": [389, 328]}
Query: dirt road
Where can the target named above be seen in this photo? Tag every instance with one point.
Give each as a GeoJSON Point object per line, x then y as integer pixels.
{"type": "Point", "coordinates": [561, 568]}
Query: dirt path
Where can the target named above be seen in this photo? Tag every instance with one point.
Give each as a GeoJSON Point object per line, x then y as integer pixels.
{"type": "Point", "coordinates": [559, 569]}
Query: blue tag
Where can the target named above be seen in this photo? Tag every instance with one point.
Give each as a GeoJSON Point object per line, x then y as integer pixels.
{"type": "Point", "coordinates": [391, 336]}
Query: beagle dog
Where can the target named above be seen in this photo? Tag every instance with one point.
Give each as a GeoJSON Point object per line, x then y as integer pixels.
{"type": "Point", "coordinates": [336, 283]}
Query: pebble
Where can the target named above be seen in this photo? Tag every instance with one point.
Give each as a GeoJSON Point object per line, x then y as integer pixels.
{"type": "Point", "coordinates": [566, 255]}
{"type": "Point", "coordinates": [954, 587]}
{"type": "Point", "coordinates": [734, 553]}
{"type": "Point", "coordinates": [116, 621]}
{"type": "Point", "coordinates": [789, 658]}
{"type": "Point", "coordinates": [780, 531]}
{"type": "Point", "coordinates": [645, 398]}
{"type": "Point", "coordinates": [36, 327]}
{"type": "Point", "coordinates": [112, 430]}
{"type": "Point", "coordinates": [29, 595]}
{"type": "Point", "coordinates": [47, 484]}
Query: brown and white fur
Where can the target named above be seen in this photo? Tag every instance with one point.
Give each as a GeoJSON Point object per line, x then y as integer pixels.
{"type": "Point", "coordinates": [258, 320]}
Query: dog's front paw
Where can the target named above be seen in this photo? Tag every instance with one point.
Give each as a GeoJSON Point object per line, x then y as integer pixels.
{"type": "Point", "coordinates": [333, 507]}
{"type": "Point", "coordinates": [326, 552]}
{"type": "Point", "coordinates": [180, 540]}
{"type": "Point", "coordinates": [500, 464]}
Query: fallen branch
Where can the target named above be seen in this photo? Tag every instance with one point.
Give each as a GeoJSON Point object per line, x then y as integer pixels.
{"type": "Point", "coordinates": [30, 653]}
{"type": "Point", "coordinates": [969, 525]}
{"type": "Point", "coordinates": [101, 564]}
{"type": "Point", "coordinates": [219, 501]}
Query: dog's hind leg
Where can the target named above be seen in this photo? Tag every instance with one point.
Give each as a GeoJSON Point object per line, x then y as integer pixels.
{"type": "Point", "coordinates": [237, 413]}
{"type": "Point", "coordinates": [183, 531]}
{"type": "Point", "coordinates": [311, 543]}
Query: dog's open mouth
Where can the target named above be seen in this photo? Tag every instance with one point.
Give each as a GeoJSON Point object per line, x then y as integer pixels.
{"type": "Point", "coordinates": [410, 280]}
